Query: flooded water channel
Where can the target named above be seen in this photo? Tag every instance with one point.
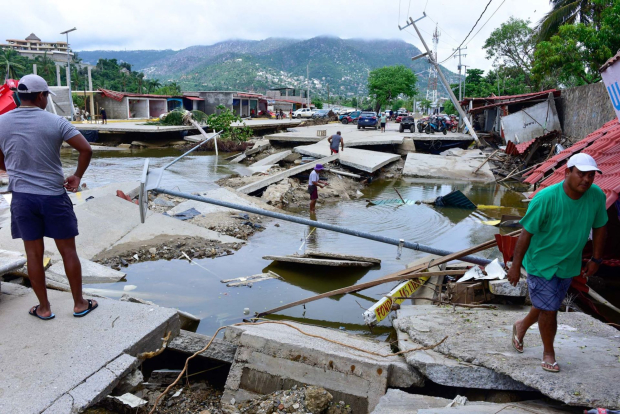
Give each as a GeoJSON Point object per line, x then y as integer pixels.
{"type": "Point", "coordinates": [197, 289]}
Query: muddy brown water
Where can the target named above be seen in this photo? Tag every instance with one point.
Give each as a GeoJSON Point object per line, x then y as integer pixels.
{"type": "Point", "coordinates": [191, 288]}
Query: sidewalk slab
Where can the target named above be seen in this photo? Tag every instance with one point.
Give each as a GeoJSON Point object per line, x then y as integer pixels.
{"type": "Point", "coordinates": [10, 261]}
{"type": "Point", "coordinates": [272, 159]}
{"type": "Point", "coordinates": [586, 349]}
{"type": "Point", "coordinates": [91, 272]}
{"type": "Point", "coordinates": [80, 358]}
{"type": "Point", "coordinates": [272, 357]}
{"type": "Point", "coordinates": [364, 160]}
{"type": "Point", "coordinates": [446, 167]}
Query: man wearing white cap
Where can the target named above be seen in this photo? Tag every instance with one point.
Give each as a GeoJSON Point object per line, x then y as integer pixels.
{"type": "Point", "coordinates": [556, 228]}
{"type": "Point", "coordinates": [30, 141]}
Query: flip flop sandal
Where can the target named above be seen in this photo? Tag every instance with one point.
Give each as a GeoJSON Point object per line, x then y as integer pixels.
{"type": "Point", "coordinates": [87, 310]}
{"type": "Point", "coordinates": [555, 365]}
{"type": "Point", "coordinates": [515, 339]}
{"type": "Point", "coordinates": [33, 312]}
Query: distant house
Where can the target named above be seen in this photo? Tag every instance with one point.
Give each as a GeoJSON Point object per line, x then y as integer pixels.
{"type": "Point", "coordinates": [32, 47]}
{"type": "Point", "coordinates": [126, 105]}
{"type": "Point", "coordinates": [243, 104]}
{"type": "Point", "coordinates": [296, 95]}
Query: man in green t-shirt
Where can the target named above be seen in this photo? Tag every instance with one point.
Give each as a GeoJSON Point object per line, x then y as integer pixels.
{"type": "Point", "coordinates": [556, 228]}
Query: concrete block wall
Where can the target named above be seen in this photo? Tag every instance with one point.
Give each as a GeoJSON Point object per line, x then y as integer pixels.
{"type": "Point", "coordinates": [113, 108]}
{"type": "Point", "coordinates": [61, 101]}
{"type": "Point", "coordinates": [213, 99]}
{"type": "Point", "coordinates": [584, 109]}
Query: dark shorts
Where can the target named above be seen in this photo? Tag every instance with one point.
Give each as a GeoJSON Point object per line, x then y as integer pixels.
{"type": "Point", "coordinates": [34, 216]}
{"type": "Point", "coordinates": [314, 192]}
{"type": "Point", "coordinates": [547, 294]}
{"type": "Point", "coordinates": [382, 124]}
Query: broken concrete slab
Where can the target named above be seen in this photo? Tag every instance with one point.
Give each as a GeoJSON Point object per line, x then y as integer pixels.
{"type": "Point", "coordinates": [452, 372]}
{"type": "Point", "coordinates": [522, 407]}
{"type": "Point", "coordinates": [272, 159]}
{"type": "Point", "coordinates": [273, 356]}
{"type": "Point", "coordinates": [445, 167]}
{"type": "Point", "coordinates": [340, 256]}
{"type": "Point", "coordinates": [364, 160]}
{"type": "Point", "coordinates": [586, 349]}
{"type": "Point", "coordinates": [318, 262]}
{"type": "Point", "coordinates": [400, 402]}
{"type": "Point", "coordinates": [504, 288]}
{"type": "Point", "coordinates": [186, 319]}
{"type": "Point", "coordinates": [352, 136]}
{"type": "Point", "coordinates": [81, 357]}
{"type": "Point", "coordinates": [258, 185]}
{"type": "Point", "coordinates": [11, 261]}
{"type": "Point", "coordinates": [222, 194]}
{"type": "Point", "coordinates": [260, 145]}
{"type": "Point", "coordinates": [91, 272]}
{"type": "Point", "coordinates": [190, 343]}
{"type": "Point", "coordinates": [238, 159]}
{"type": "Point", "coordinates": [128, 187]}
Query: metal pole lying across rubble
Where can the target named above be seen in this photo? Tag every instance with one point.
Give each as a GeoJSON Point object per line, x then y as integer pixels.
{"type": "Point", "coordinates": [332, 227]}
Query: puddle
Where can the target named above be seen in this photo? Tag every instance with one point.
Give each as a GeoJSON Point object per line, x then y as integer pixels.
{"type": "Point", "coordinates": [191, 288]}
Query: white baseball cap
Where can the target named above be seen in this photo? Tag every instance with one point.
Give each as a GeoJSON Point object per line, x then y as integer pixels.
{"type": "Point", "coordinates": [583, 162]}
{"type": "Point", "coordinates": [33, 84]}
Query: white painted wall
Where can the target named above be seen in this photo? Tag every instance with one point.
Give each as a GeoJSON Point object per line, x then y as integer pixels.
{"type": "Point", "coordinates": [531, 122]}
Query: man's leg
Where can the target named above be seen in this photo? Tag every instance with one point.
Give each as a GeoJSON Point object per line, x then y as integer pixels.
{"type": "Point", "coordinates": [548, 326]}
{"type": "Point", "coordinates": [73, 269]}
{"type": "Point", "coordinates": [312, 205]}
{"type": "Point", "coordinates": [524, 324]}
{"type": "Point", "coordinates": [36, 274]}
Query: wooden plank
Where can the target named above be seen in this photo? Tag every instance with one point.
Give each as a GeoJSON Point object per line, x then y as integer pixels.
{"type": "Point", "coordinates": [318, 262]}
{"type": "Point", "coordinates": [485, 161]}
{"type": "Point", "coordinates": [272, 179]}
{"type": "Point", "coordinates": [339, 256]}
{"type": "Point", "coordinates": [410, 273]}
{"type": "Point", "coordinates": [390, 278]}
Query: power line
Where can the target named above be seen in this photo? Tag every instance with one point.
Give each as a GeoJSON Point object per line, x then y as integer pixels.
{"type": "Point", "coordinates": [425, 5]}
{"type": "Point", "coordinates": [443, 30]}
{"type": "Point", "coordinates": [488, 20]}
{"type": "Point", "coordinates": [409, 7]}
{"type": "Point", "coordinates": [472, 29]}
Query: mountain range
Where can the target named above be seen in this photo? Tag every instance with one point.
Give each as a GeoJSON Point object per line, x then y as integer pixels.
{"type": "Point", "coordinates": [338, 65]}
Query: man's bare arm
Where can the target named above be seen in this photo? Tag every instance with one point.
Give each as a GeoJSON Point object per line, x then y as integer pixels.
{"type": "Point", "coordinates": [598, 249]}
{"type": "Point", "coordinates": [82, 146]}
{"type": "Point", "coordinates": [514, 274]}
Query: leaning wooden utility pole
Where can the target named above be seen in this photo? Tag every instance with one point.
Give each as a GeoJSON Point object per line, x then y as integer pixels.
{"type": "Point", "coordinates": [433, 60]}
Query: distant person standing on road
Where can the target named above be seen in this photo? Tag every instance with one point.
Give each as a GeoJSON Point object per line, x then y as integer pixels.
{"type": "Point", "coordinates": [290, 114]}
{"type": "Point", "coordinates": [281, 114]}
{"type": "Point", "coordinates": [556, 228]}
{"type": "Point", "coordinates": [383, 121]}
{"type": "Point", "coordinates": [104, 116]}
{"type": "Point", "coordinates": [313, 184]}
{"type": "Point", "coordinates": [30, 141]}
{"type": "Point", "coordinates": [335, 141]}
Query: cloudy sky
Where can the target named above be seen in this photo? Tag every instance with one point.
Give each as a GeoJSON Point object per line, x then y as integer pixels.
{"type": "Point", "coordinates": [159, 24]}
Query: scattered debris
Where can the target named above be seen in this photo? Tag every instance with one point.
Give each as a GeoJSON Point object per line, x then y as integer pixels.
{"type": "Point", "coordinates": [250, 280]}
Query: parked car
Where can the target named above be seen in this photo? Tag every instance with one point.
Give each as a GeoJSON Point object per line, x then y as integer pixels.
{"type": "Point", "coordinates": [407, 122]}
{"type": "Point", "coordinates": [367, 119]}
{"type": "Point", "coordinates": [320, 113]}
{"type": "Point", "coordinates": [303, 113]}
{"type": "Point", "coordinates": [350, 118]}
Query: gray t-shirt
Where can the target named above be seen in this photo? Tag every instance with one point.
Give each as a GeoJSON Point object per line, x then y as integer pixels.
{"type": "Point", "coordinates": [335, 141]}
{"type": "Point", "coordinates": [30, 139]}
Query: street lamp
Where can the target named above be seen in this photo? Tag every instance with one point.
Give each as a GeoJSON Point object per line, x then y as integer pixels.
{"type": "Point", "coordinates": [69, 72]}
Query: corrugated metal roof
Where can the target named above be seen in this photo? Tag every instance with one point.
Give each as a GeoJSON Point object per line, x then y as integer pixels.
{"type": "Point", "coordinates": [604, 146]}
{"type": "Point", "coordinates": [507, 98]}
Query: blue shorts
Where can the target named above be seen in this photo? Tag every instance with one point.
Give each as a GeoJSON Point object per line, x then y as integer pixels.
{"type": "Point", "coordinates": [34, 216]}
{"type": "Point", "coordinates": [547, 294]}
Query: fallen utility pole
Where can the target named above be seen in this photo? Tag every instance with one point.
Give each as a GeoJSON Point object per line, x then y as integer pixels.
{"type": "Point", "coordinates": [433, 60]}
{"type": "Point", "coordinates": [312, 223]}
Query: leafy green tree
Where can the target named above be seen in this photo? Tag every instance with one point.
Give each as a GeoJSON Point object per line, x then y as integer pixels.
{"type": "Point", "coordinates": [586, 12]}
{"type": "Point", "coordinates": [318, 103]}
{"type": "Point", "coordinates": [222, 120]}
{"type": "Point", "coordinates": [448, 108]}
{"type": "Point", "coordinates": [171, 88]}
{"type": "Point", "coordinates": [10, 60]}
{"type": "Point", "coordinates": [512, 46]}
{"type": "Point", "coordinates": [388, 83]}
{"type": "Point", "coordinates": [575, 54]}
{"type": "Point", "coordinates": [425, 104]}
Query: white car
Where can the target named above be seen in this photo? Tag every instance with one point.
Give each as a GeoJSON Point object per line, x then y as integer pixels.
{"type": "Point", "coordinates": [303, 113]}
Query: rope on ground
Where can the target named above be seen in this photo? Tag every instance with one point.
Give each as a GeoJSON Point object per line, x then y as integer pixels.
{"type": "Point", "coordinates": [147, 355]}
{"type": "Point", "coordinates": [423, 348]}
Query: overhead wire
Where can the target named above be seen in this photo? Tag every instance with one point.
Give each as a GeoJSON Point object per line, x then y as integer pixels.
{"type": "Point", "coordinates": [485, 23]}
{"type": "Point", "coordinates": [472, 29]}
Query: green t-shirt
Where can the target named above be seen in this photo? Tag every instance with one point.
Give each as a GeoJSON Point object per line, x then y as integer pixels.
{"type": "Point", "coordinates": [561, 227]}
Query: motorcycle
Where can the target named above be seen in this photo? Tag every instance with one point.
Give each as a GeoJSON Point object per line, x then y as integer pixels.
{"type": "Point", "coordinates": [422, 124]}
{"type": "Point", "coordinates": [436, 124]}
{"type": "Point", "coordinates": [452, 124]}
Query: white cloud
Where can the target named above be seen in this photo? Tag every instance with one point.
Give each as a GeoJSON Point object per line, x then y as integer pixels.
{"type": "Point", "coordinates": [159, 24]}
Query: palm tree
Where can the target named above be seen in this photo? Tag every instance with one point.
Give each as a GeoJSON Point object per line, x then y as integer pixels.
{"type": "Point", "coordinates": [9, 59]}
{"type": "Point", "coordinates": [152, 85]}
{"type": "Point", "coordinates": [562, 12]}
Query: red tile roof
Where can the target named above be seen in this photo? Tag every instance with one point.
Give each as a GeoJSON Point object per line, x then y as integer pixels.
{"type": "Point", "coordinates": [118, 96]}
{"type": "Point", "coordinates": [519, 149]}
{"type": "Point", "coordinates": [516, 98]}
{"type": "Point", "coordinates": [604, 146]}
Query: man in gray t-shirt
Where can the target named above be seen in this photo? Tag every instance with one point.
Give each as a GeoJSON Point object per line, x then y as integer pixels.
{"type": "Point", "coordinates": [335, 141]}
{"type": "Point", "coordinates": [30, 141]}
